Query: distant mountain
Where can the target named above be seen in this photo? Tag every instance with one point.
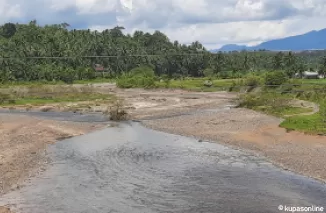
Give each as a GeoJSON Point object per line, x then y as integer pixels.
{"type": "Point", "coordinates": [313, 40]}
{"type": "Point", "coordinates": [231, 47]}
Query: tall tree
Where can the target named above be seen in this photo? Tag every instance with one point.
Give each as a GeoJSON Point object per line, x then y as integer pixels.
{"type": "Point", "coordinates": [8, 30]}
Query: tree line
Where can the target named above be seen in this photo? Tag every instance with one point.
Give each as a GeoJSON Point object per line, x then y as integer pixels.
{"type": "Point", "coordinates": [30, 52]}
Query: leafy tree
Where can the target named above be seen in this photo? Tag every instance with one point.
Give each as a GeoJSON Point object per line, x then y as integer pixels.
{"type": "Point", "coordinates": [275, 78]}
{"type": "Point", "coordinates": [322, 70]}
{"type": "Point", "coordinates": [61, 55]}
{"type": "Point", "coordinates": [278, 61]}
{"type": "Point", "coordinates": [8, 30]}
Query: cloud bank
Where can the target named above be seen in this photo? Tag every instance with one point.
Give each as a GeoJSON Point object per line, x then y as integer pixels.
{"type": "Point", "coordinates": [212, 22]}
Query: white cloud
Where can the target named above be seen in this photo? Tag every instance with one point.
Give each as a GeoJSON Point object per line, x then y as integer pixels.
{"type": "Point", "coordinates": [9, 11]}
{"type": "Point", "coordinates": [212, 22]}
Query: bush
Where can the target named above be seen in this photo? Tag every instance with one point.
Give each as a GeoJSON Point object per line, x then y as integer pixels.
{"type": "Point", "coordinates": [208, 83]}
{"type": "Point", "coordinates": [273, 100]}
{"type": "Point", "coordinates": [208, 72]}
{"type": "Point", "coordinates": [6, 99]}
{"type": "Point", "coordinates": [138, 77]}
{"type": "Point", "coordinates": [322, 111]}
{"type": "Point", "coordinates": [275, 78]}
{"type": "Point", "coordinates": [225, 75]}
{"type": "Point", "coordinates": [68, 76]}
{"type": "Point", "coordinates": [286, 89]}
{"type": "Point", "coordinates": [117, 112]}
{"type": "Point", "coordinates": [252, 81]}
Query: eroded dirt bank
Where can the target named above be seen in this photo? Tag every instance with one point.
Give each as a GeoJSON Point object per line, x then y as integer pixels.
{"type": "Point", "coordinates": [23, 140]}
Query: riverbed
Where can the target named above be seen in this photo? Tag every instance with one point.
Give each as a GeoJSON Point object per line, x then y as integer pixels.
{"type": "Point", "coordinates": [129, 168]}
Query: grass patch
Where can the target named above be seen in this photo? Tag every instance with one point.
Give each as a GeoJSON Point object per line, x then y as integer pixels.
{"type": "Point", "coordinates": [30, 83]}
{"type": "Point", "coordinates": [42, 83]}
{"type": "Point", "coordinates": [279, 105]}
{"type": "Point", "coordinates": [282, 111]}
{"type": "Point", "coordinates": [40, 95]}
{"type": "Point", "coordinates": [313, 81]}
{"type": "Point", "coordinates": [311, 124]}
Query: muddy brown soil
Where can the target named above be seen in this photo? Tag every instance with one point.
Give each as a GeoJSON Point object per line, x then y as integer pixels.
{"type": "Point", "coordinates": [5, 210]}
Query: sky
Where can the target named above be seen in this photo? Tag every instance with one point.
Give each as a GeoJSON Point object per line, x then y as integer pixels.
{"type": "Point", "coordinates": [212, 22]}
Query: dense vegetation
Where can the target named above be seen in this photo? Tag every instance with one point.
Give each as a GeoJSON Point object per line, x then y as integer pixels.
{"type": "Point", "coordinates": [278, 100]}
{"type": "Point", "coordinates": [30, 52]}
{"type": "Point", "coordinates": [33, 53]}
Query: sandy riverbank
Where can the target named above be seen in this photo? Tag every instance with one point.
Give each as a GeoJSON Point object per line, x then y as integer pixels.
{"type": "Point", "coordinates": [23, 141]}
{"type": "Point", "coordinates": [253, 131]}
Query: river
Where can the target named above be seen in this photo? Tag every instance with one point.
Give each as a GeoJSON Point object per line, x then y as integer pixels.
{"type": "Point", "coordinates": [127, 168]}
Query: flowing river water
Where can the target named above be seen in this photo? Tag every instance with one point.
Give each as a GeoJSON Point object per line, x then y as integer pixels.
{"type": "Point", "coordinates": [127, 168]}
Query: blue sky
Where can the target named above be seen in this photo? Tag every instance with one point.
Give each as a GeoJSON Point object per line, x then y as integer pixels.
{"type": "Point", "coordinates": [212, 22]}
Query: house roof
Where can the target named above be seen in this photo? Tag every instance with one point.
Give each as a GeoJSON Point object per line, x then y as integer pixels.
{"type": "Point", "coordinates": [308, 73]}
{"type": "Point", "coordinates": [98, 67]}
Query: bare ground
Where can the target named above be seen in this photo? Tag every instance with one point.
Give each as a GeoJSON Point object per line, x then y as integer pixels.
{"type": "Point", "coordinates": [240, 128]}
{"type": "Point", "coordinates": [250, 130]}
{"type": "Point", "coordinates": [4, 210]}
{"type": "Point", "coordinates": [23, 139]}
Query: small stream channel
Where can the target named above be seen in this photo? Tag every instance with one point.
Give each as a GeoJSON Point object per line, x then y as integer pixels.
{"type": "Point", "coordinates": [127, 168]}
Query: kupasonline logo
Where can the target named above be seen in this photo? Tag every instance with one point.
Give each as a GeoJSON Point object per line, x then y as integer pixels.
{"type": "Point", "coordinates": [301, 209]}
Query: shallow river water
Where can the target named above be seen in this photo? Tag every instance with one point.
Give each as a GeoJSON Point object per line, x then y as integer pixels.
{"type": "Point", "coordinates": [131, 169]}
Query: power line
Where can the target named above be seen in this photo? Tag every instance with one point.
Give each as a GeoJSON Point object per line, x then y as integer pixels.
{"type": "Point", "coordinates": [104, 56]}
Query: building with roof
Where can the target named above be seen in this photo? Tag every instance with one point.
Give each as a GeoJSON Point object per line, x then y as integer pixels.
{"type": "Point", "coordinates": [308, 75]}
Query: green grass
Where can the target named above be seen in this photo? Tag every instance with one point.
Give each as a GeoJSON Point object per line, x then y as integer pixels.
{"type": "Point", "coordinates": [29, 83]}
{"type": "Point", "coordinates": [282, 111]}
{"type": "Point", "coordinates": [40, 83]}
{"type": "Point", "coordinates": [278, 105]}
{"type": "Point", "coordinates": [313, 81]}
{"type": "Point", "coordinates": [39, 95]}
{"type": "Point", "coordinates": [311, 124]}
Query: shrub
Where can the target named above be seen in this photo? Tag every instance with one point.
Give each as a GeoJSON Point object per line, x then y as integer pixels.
{"type": "Point", "coordinates": [234, 87]}
{"type": "Point", "coordinates": [225, 75]}
{"type": "Point", "coordinates": [6, 98]}
{"type": "Point", "coordinates": [252, 81]}
{"type": "Point", "coordinates": [273, 100]}
{"type": "Point", "coordinates": [68, 76]}
{"type": "Point", "coordinates": [250, 101]}
{"type": "Point", "coordinates": [322, 111]}
{"type": "Point", "coordinates": [208, 72]}
{"type": "Point", "coordinates": [208, 83]}
{"type": "Point", "coordinates": [285, 89]}
{"type": "Point", "coordinates": [275, 78]}
{"type": "Point", "coordinates": [138, 77]}
{"type": "Point", "coordinates": [116, 112]}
